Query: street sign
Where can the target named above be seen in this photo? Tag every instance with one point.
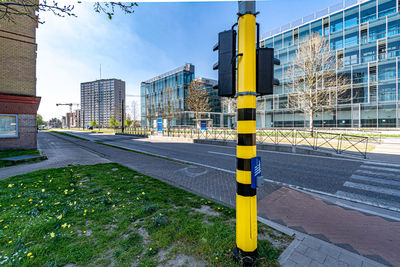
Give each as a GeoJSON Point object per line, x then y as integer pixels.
{"type": "Point", "coordinates": [159, 125]}
{"type": "Point", "coordinates": [255, 171]}
{"type": "Point", "coordinates": [203, 125]}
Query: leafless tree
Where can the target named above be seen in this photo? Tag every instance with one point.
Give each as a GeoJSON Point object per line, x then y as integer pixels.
{"type": "Point", "coordinates": [11, 9]}
{"type": "Point", "coordinates": [197, 100]}
{"type": "Point", "coordinates": [316, 79]}
{"type": "Point", "coordinates": [169, 111]}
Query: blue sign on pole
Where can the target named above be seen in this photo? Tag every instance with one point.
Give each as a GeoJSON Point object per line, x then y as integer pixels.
{"type": "Point", "coordinates": [203, 125]}
{"type": "Point", "coordinates": [255, 171]}
{"type": "Point", "coordinates": [159, 125]}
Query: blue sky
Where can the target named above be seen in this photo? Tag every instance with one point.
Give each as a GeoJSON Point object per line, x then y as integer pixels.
{"type": "Point", "coordinates": [156, 38]}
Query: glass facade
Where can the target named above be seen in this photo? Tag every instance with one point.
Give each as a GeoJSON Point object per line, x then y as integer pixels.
{"type": "Point", "coordinates": [163, 97]}
{"type": "Point", "coordinates": [365, 39]}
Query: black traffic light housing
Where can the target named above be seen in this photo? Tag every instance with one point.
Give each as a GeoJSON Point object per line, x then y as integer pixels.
{"type": "Point", "coordinates": [226, 63]}
{"type": "Point", "coordinates": [265, 62]}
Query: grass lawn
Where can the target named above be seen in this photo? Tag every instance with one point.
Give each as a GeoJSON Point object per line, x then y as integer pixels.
{"type": "Point", "coordinates": [107, 214]}
{"type": "Point", "coordinates": [14, 153]}
{"type": "Point", "coordinates": [70, 135]}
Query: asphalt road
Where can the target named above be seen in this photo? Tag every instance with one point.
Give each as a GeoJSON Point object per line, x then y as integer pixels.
{"type": "Point", "coordinates": [356, 180]}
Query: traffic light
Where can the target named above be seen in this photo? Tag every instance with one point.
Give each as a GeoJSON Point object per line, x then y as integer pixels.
{"type": "Point", "coordinates": [265, 71]}
{"type": "Point", "coordinates": [226, 63]}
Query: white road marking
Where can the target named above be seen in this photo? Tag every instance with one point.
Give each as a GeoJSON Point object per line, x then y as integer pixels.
{"type": "Point", "coordinates": [375, 180]}
{"type": "Point", "coordinates": [388, 175]}
{"type": "Point", "coordinates": [371, 188]}
{"type": "Point", "coordinates": [219, 153]}
{"type": "Point", "coordinates": [382, 164]}
{"type": "Point", "coordinates": [380, 168]}
{"type": "Point", "coordinates": [368, 200]}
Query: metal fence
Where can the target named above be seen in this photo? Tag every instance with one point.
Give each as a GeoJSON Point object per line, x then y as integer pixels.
{"type": "Point", "coordinates": [340, 143]}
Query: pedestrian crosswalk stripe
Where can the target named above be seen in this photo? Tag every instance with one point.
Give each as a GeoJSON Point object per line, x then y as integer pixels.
{"type": "Point", "coordinates": [372, 188]}
{"type": "Point", "coordinates": [390, 205]}
{"type": "Point", "coordinates": [380, 168]}
{"type": "Point", "coordinates": [375, 180]}
{"type": "Point", "coordinates": [384, 174]}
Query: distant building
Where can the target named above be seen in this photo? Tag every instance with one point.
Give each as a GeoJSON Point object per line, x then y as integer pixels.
{"type": "Point", "coordinates": [76, 119]}
{"type": "Point", "coordinates": [54, 123]}
{"type": "Point", "coordinates": [163, 97]}
{"type": "Point", "coordinates": [101, 100]}
{"type": "Point", "coordinates": [64, 122]}
{"type": "Point", "coordinates": [18, 101]}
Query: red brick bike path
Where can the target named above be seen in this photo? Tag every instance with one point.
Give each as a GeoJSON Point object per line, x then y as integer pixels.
{"type": "Point", "coordinates": [370, 236]}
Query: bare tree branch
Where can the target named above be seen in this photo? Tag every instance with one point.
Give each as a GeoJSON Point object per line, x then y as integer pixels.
{"type": "Point", "coordinates": [317, 82]}
{"type": "Point", "coordinates": [10, 10]}
{"type": "Point", "coordinates": [197, 100]}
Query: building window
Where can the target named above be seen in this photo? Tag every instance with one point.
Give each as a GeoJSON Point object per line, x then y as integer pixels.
{"type": "Point", "coordinates": [377, 29]}
{"type": "Point", "coordinates": [368, 52]}
{"type": "Point", "coordinates": [337, 22]}
{"type": "Point", "coordinates": [394, 25]}
{"type": "Point", "coordinates": [351, 17]}
{"type": "Point", "coordinates": [8, 126]}
{"type": "Point", "coordinates": [351, 36]}
{"type": "Point", "coordinates": [368, 11]}
{"type": "Point", "coordinates": [337, 41]}
{"type": "Point", "coordinates": [386, 7]}
{"type": "Point", "coordinates": [387, 71]}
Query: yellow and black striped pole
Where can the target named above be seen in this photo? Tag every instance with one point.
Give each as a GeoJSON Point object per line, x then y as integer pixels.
{"type": "Point", "coordinates": [246, 196]}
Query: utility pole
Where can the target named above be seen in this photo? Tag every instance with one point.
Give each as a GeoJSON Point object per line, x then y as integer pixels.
{"type": "Point", "coordinates": [123, 115]}
{"type": "Point", "coordinates": [246, 195]}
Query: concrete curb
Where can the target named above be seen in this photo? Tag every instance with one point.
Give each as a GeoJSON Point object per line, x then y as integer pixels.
{"type": "Point", "coordinates": [277, 148]}
{"type": "Point", "coordinates": [134, 135]}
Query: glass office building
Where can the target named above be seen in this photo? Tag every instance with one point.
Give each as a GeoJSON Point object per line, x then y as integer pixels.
{"type": "Point", "coordinates": [163, 97]}
{"type": "Point", "coordinates": [364, 36]}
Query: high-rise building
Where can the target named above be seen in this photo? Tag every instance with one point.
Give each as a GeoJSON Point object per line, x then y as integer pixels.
{"type": "Point", "coordinates": [163, 97]}
{"type": "Point", "coordinates": [18, 101]}
{"type": "Point", "coordinates": [101, 100]}
{"type": "Point", "coordinates": [365, 36]}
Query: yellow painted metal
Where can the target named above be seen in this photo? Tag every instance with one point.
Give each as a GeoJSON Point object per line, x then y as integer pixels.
{"type": "Point", "coordinates": [246, 152]}
{"type": "Point", "coordinates": [246, 207]}
{"type": "Point", "coordinates": [246, 223]}
{"type": "Point", "coordinates": [247, 101]}
{"type": "Point", "coordinates": [246, 127]}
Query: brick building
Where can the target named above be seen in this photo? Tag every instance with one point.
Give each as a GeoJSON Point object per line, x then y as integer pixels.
{"type": "Point", "coordinates": [18, 101]}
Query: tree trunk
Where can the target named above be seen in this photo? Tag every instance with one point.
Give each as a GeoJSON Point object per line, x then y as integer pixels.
{"type": "Point", "coordinates": [312, 123]}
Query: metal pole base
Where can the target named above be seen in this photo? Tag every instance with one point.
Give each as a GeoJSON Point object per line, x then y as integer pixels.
{"type": "Point", "coordinates": [245, 258]}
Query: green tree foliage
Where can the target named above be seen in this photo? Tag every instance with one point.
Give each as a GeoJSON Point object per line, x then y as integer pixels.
{"type": "Point", "coordinates": [128, 122]}
{"type": "Point", "coordinates": [39, 120]}
{"type": "Point", "coordinates": [93, 123]}
{"type": "Point", "coordinates": [113, 122]}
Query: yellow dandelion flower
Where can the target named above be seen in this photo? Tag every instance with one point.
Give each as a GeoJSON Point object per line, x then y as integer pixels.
{"type": "Point", "coordinates": [85, 211]}
{"type": "Point", "coordinates": [72, 190]}
{"type": "Point", "coordinates": [56, 203]}
{"type": "Point", "coordinates": [66, 191]}
{"type": "Point", "coordinates": [29, 254]}
{"type": "Point", "coordinates": [43, 190]}
{"type": "Point", "coordinates": [108, 193]}
{"type": "Point", "coordinates": [59, 217]}
{"type": "Point", "coordinates": [30, 200]}
{"type": "Point", "coordinates": [70, 204]}
{"type": "Point", "coordinates": [150, 249]}
{"type": "Point", "coordinates": [31, 257]}
{"type": "Point", "coordinates": [216, 258]}
{"type": "Point", "coordinates": [143, 193]}
{"type": "Point", "coordinates": [36, 205]}
{"type": "Point", "coordinates": [52, 235]}
{"type": "Point", "coordinates": [19, 195]}
{"type": "Point", "coordinates": [50, 218]}
{"type": "Point", "coordinates": [10, 185]}
{"type": "Point", "coordinates": [84, 232]}
{"type": "Point", "coordinates": [92, 210]}
{"type": "Point", "coordinates": [9, 242]}
{"type": "Point", "coordinates": [74, 202]}
{"type": "Point", "coordinates": [70, 232]}
{"type": "Point", "coordinates": [69, 226]}
{"type": "Point", "coordinates": [137, 198]}
{"type": "Point", "coordinates": [1, 220]}
{"type": "Point", "coordinates": [19, 234]}
{"type": "Point", "coordinates": [113, 206]}
{"type": "Point", "coordinates": [6, 226]}
{"type": "Point", "coordinates": [71, 184]}
{"type": "Point", "coordinates": [41, 205]}
{"type": "Point", "coordinates": [91, 199]}
{"type": "Point", "coordinates": [129, 192]}
{"type": "Point", "coordinates": [40, 201]}
{"type": "Point", "coordinates": [64, 225]}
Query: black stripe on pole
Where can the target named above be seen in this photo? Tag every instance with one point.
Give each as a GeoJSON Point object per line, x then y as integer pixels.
{"type": "Point", "coordinates": [243, 164]}
{"type": "Point", "coordinates": [246, 114]}
{"type": "Point", "coordinates": [245, 190]}
{"type": "Point", "coordinates": [246, 139]}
